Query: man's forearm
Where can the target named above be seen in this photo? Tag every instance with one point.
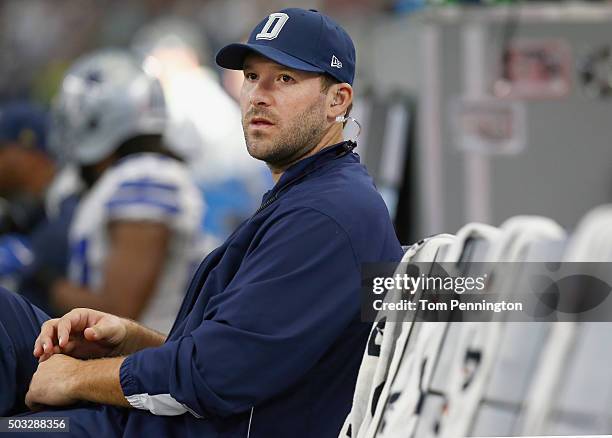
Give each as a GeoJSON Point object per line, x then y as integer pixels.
{"type": "Point", "coordinates": [140, 337]}
{"type": "Point", "coordinates": [66, 296]}
{"type": "Point", "coordinates": [98, 381]}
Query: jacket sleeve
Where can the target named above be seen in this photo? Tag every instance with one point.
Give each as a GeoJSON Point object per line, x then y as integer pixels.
{"type": "Point", "coordinates": [288, 303]}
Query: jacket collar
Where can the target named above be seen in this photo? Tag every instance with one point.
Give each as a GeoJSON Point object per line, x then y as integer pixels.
{"type": "Point", "coordinates": [307, 165]}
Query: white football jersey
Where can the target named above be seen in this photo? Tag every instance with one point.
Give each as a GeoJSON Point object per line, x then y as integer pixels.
{"type": "Point", "coordinates": [147, 187]}
{"type": "Point", "coordinates": [65, 184]}
{"type": "Point", "coordinates": [205, 127]}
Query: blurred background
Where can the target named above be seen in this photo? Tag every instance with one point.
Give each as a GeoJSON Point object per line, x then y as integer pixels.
{"type": "Point", "coordinates": [428, 73]}
{"type": "Point", "coordinates": [474, 111]}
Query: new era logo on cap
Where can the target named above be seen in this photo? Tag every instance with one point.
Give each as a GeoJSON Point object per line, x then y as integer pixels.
{"type": "Point", "coordinates": [300, 39]}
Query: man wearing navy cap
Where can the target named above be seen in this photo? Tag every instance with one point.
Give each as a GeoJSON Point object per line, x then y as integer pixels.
{"type": "Point", "coordinates": [31, 240]}
{"type": "Point", "coordinates": [25, 166]}
{"type": "Point", "coordinates": [298, 70]}
{"type": "Point", "coordinates": [268, 341]}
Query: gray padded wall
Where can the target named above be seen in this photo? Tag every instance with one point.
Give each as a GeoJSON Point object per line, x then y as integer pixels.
{"type": "Point", "coordinates": [566, 168]}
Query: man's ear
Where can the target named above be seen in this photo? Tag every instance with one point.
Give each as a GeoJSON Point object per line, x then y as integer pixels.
{"type": "Point", "coordinates": [339, 97]}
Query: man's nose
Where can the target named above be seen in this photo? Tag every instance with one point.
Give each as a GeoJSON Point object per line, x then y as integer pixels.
{"type": "Point", "coordinates": [260, 96]}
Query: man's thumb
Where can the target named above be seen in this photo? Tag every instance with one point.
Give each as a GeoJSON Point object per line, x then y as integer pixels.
{"type": "Point", "coordinates": [97, 332]}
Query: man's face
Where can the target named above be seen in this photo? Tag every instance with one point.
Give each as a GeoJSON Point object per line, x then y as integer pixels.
{"type": "Point", "coordinates": [283, 111]}
{"type": "Point", "coordinates": [10, 167]}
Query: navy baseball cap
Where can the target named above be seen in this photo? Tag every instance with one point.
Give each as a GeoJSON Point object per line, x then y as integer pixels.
{"type": "Point", "coordinates": [23, 123]}
{"type": "Point", "coordinates": [300, 39]}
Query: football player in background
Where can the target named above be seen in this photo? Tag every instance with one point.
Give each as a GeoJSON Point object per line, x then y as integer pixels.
{"type": "Point", "coordinates": [135, 234]}
{"type": "Point", "coordinates": [26, 170]}
{"type": "Point", "coordinates": [204, 124]}
{"type": "Point", "coordinates": [38, 202]}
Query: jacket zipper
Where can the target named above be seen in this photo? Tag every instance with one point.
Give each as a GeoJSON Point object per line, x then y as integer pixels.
{"type": "Point", "coordinates": [347, 148]}
{"type": "Point", "coordinates": [270, 200]}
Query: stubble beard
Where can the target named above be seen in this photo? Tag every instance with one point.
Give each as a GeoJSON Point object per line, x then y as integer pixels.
{"type": "Point", "coordinates": [292, 142]}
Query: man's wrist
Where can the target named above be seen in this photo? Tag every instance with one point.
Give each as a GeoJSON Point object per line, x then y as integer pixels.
{"type": "Point", "coordinates": [75, 379]}
{"type": "Point", "coordinates": [130, 343]}
{"type": "Point", "coordinates": [138, 337]}
{"type": "Point", "coordinates": [98, 381]}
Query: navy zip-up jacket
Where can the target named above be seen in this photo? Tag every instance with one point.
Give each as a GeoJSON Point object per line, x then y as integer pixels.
{"type": "Point", "coordinates": [269, 340]}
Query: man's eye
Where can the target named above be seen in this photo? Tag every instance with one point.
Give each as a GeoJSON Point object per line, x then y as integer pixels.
{"type": "Point", "coordinates": [250, 76]}
{"type": "Point", "coordinates": [286, 78]}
